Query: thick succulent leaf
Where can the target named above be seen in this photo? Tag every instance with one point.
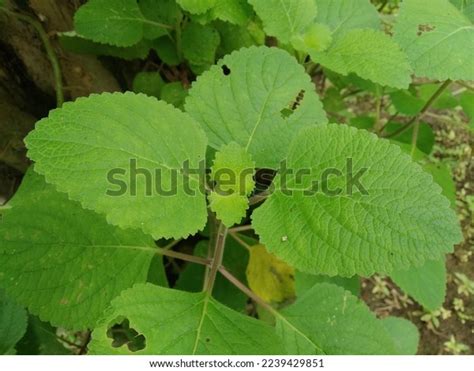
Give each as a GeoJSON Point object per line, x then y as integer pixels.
{"type": "Point", "coordinates": [204, 327]}
{"type": "Point", "coordinates": [246, 98]}
{"type": "Point", "coordinates": [425, 284]}
{"type": "Point", "coordinates": [370, 54]}
{"type": "Point", "coordinates": [114, 22]}
{"type": "Point", "coordinates": [73, 148]}
{"type": "Point", "coordinates": [346, 15]}
{"type": "Point", "coordinates": [329, 320]}
{"type": "Point", "coordinates": [437, 38]}
{"type": "Point", "coordinates": [235, 260]}
{"type": "Point", "coordinates": [404, 334]}
{"type": "Point", "coordinates": [305, 281]}
{"type": "Point", "coordinates": [13, 321]}
{"type": "Point", "coordinates": [380, 213]}
{"type": "Point", "coordinates": [63, 262]}
{"type": "Point", "coordinates": [284, 19]}
{"type": "Point", "coordinates": [197, 6]}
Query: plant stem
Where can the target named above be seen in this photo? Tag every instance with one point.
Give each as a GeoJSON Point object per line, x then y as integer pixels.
{"type": "Point", "coordinates": [257, 299]}
{"type": "Point", "coordinates": [58, 80]}
{"type": "Point", "coordinates": [217, 258]}
{"type": "Point", "coordinates": [181, 256]}
{"type": "Point", "coordinates": [378, 108]}
{"type": "Point", "coordinates": [256, 199]}
{"type": "Point", "coordinates": [241, 228]}
{"type": "Point", "coordinates": [414, 138]}
{"type": "Point", "coordinates": [425, 108]}
{"type": "Point", "coordinates": [236, 237]}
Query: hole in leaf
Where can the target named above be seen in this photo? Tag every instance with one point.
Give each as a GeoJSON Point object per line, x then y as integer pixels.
{"type": "Point", "coordinates": [424, 28]}
{"type": "Point", "coordinates": [288, 111]}
{"type": "Point", "coordinates": [122, 334]}
{"type": "Point", "coordinates": [225, 70]}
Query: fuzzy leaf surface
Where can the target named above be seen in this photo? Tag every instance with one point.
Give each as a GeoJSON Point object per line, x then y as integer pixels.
{"type": "Point", "coordinates": [73, 148]}
{"type": "Point", "coordinates": [395, 217]}
{"type": "Point", "coordinates": [63, 262]}
{"type": "Point", "coordinates": [13, 322]}
{"type": "Point", "coordinates": [437, 38]}
{"type": "Point", "coordinates": [242, 98]}
{"type": "Point", "coordinates": [204, 327]}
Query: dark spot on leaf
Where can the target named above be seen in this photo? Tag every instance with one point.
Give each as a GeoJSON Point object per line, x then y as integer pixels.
{"type": "Point", "coordinates": [423, 28]}
{"type": "Point", "coordinates": [208, 340]}
{"type": "Point", "coordinates": [122, 334]}
{"type": "Point", "coordinates": [288, 111]}
{"type": "Point", "coordinates": [225, 70]}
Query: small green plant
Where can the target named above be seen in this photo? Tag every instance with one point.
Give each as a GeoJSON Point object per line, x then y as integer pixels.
{"type": "Point", "coordinates": [119, 179]}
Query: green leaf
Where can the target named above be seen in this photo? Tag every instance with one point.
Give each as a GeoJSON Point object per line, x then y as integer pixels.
{"type": "Point", "coordinates": [467, 104]}
{"type": "Point", "coordinates": [125, 176]}
{"type": "Point", "coordinates": [426, 137]}
{"type": "Point", "coordinates": [196, 6]}
{"type": "Point", "coordinates": [230, 209]}
{"type": "Point", "coordinates": [63, 262]}
{"type": "Point", "coordinates": [40, 339]}
{"type": "Point", "coordinates": [77, 44]}
{"type": "Point", "coordinates": [166, 50]}
{"type": "Point", "coordinates": [445, 101]}
{"type": "Point", "coordinates": [114, 22]}
{"type": "Point", "coordinates": [466, 7]}
{"type": "Point", "coordinates": [13, 322]}
{"type": "Point", "coordinates": [157, 12]}
{"type": "Point", "coordinates": [442, 175]}
{"type": "Point", "coordinates": [235, 260]}
{"type": "Point", "coordinates": [204, 327]}
{"type": "Point", "coordinates": [316, 38]}
{"type": "Point", "coordinates": [233, 38]}
{"type": "Point", "coordinates": [343, 16]}
{"type": "Point", "coordinates": [174, 93]}
{"type": "Point", "coordinates": [404, 334]}
{"type": "Point", "coordinates": [369, 54]}
{"type": "Point", "coordinates": [425, 284]}
{"type": "Point", "coordinates": [233, 171]}
{"type": "Point", "coordinates": [437, 38]}
{"type": "Point", "coordinates": [329, 320]}
{"type": "Point", "coordinates": [379, 212]}
{"type": "Point", "coordinates": [234, 11]}
{"type": "Point", "coordinates": [149, 83]}
{"type": "Point", "coordinates": [244, 97]}
{"type": "Point", "coordinates": [284, 19]}
{"type": "Point", "coordinates": [305, 281]}
{"type": "Point", "coordinates": [406, 103]}
{"type": "Point", "coordinates": [199, 44]}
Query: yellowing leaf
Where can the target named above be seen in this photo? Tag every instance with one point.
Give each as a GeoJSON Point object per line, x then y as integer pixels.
{"type": "Point", "coordinates": [269, 277]}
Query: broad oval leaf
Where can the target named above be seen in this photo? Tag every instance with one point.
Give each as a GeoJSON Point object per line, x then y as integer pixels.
{"type": "Point", "coordinates": [371, 210]}
{"type": "Point", "coordinates": [329, 320]}
{"type": "Point", "coordinates": [178, 322]}
{"type": "Point", "coordinates": [258, 97]}
{"type": "Point", "coordinates": [437, 38]}
{"type": "Point", "coordinates": [134, 176]}
{"type": "Point", "coordinates": [284, 19]}
{"type": "Point", "coordinates": [114, 22]}
{"type": "Point", "coordinates": [63, 262]}
{"type": "Point", "coordinates": [369, 54]}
